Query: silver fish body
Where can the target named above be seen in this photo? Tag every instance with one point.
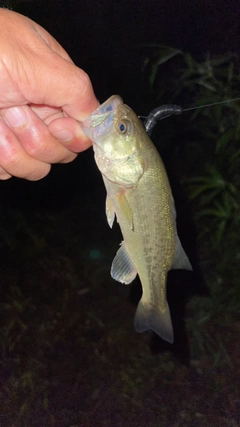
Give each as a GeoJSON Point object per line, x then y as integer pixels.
{"type": "Point", "coordinates": [139, 194]}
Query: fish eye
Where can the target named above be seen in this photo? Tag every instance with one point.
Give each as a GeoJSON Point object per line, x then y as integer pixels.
{"type": "Point", "coordinates": [124, 126]}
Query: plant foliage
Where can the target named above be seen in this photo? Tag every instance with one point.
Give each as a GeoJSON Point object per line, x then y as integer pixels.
{"type": "Point", "coordinates": [208, 162]}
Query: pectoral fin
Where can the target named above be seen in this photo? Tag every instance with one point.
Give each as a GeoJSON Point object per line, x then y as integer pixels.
{"type": "Point", "coordinates": [110, 212]}
{"type": "Point", "coordinates": [122, 268]}
{"type": "Point", "coordinates": [125, 208]}
{"type": "Point", "coordinates": [181, 260]}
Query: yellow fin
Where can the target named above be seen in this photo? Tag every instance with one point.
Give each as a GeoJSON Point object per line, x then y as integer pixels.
{"type": "Point", "coordinates": [125, 208]}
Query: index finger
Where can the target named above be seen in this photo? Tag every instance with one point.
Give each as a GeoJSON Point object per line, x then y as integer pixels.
{"type": "Point", "coordinates": [60, 83]}
{"type": "Point", "coordinates": [35, 69]}
{"type": "Point", "coordinates": [82, 98]}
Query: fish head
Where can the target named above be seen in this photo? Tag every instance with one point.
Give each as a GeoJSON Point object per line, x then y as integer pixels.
{"type": "Point", "coordinates": [117, 135]}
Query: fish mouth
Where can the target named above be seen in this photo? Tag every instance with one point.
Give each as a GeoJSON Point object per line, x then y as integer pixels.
{"type": "Point", "coordinates": [101, 119]}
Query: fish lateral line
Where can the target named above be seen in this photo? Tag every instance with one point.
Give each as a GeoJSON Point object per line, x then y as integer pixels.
{"type": "Point", "coordinates": [168, 110]}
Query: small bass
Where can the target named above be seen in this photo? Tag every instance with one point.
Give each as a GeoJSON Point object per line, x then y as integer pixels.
{"type": "Point", "coordinates": [139, 195]}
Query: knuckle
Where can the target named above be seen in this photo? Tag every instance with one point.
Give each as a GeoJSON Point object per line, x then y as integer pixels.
{"type": "Point", "coordinates": [35, 142]}
{"type": "Point", "coordinates": [9, 152]}
{"type": "Point", "coordinates": [85, 82]}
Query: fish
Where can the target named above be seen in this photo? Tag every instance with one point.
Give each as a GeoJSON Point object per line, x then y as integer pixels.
{"type": "Point", "coordinates": [139, 196]}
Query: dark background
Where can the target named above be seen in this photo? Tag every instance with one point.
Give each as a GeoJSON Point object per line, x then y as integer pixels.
{"type": "Point", "coordinates": [109, 40]}
{"type": "Point", "coordinates": [69, 352]}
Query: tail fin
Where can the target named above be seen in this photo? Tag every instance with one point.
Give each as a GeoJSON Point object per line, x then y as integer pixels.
{"type": "Point", "coordinates": [150, 317]}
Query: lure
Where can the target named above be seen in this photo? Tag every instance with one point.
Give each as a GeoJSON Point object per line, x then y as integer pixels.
{"type": "Point", "coordinates": [168, 110]}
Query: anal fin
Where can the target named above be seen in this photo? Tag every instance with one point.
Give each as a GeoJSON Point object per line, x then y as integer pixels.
{"type": "Point", "coordinates": [122, 268]}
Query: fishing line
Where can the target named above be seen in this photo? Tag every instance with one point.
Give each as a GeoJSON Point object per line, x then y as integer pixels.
{"type": "Point", "coordinates": [195, 108]}
{"type": "Point", "coordinates": [209, 105]}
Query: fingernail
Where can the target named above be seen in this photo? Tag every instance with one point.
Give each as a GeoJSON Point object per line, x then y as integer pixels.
{"type": "Point", "coordinates": [15, 116]}
{"type": "Point", "coordinates": [63, 135]}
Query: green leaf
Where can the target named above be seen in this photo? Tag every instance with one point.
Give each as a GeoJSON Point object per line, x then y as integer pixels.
{"type": "Point", "coordinates": [224, 141]}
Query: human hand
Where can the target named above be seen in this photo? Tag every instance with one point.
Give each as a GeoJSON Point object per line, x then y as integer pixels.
{"type": "Point", "coordinates": [43, 95]}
